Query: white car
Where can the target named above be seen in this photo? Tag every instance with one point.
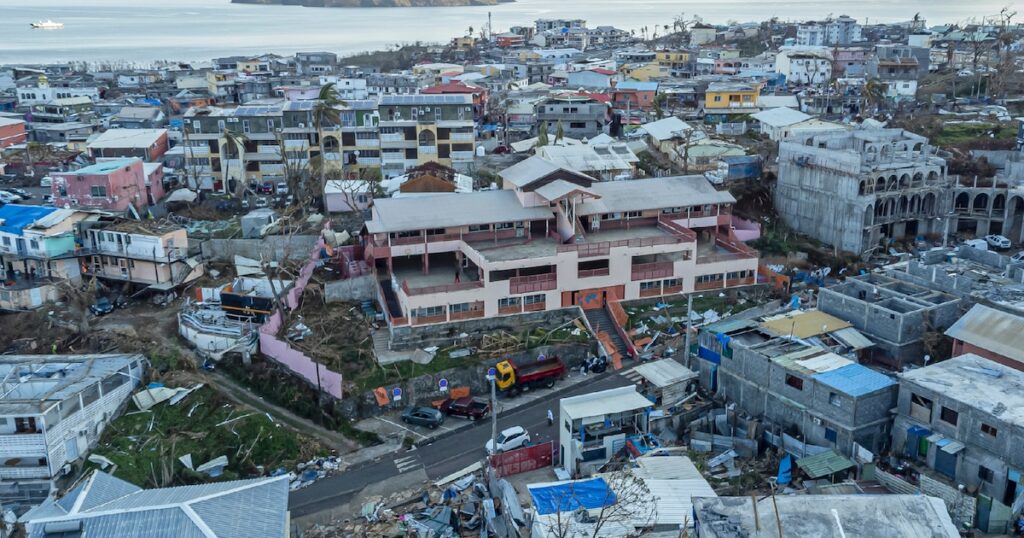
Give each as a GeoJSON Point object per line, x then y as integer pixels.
{"type": "Point", "coordinates": [509, 439]}
{"type": "Point", "coordinates": [997, 241]}
{"type": "Point", "coordinates": [979, 244]}
{"type": "Point", "coordinates": [1018, 257]}
{"type": "Point", "coordinates": [261, 202]}
{"type": "Point", "coordinates": [282, 188]}
{"type": "Point", "coordinates": [8, 197]}
{"type": "Point", "coordinates": [47, 181]}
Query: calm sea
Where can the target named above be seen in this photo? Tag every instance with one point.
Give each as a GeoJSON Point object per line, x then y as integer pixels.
{"type": "Point", "coordinates": [141, 31]}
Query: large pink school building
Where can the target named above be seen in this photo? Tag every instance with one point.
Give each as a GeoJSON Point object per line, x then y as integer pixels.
{"type": "Point", "coordinates": [552, 238]}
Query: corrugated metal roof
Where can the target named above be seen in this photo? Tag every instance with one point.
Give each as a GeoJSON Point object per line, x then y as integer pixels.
{"type": "Point", "coordinates": [853, 338]}
{"type": "Point", "coordinates": [559, 188]}
{"type": "Point", "coordinates": [730, 325]}
{"type": "Point", "coordinates": [16, 217]}
{"type": "Point", "coordinates": [664, 372]}
{"type": "Point", "coordinates": [451, 210]}
{"type": "Point", "coordinates": [653, 193]}
{"type": "Point", "coordinates": [666, 468]}
{"type": "Point", "coordinates": [605, 402]}
{"type": "Point", "coordinates": [855, 380]}
{"type": "Point", "coordinates": [993, 330]}
{"type": "Point", "coordinates": [824, 363]}
{"type": "Point", "coordinates": [803, 324]}
{"type": "Point", "coordinates": [824, 464]}
{"type": "Point", "coordinates": [673, 499]}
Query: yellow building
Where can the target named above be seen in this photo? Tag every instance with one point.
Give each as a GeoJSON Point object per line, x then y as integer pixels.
{"type": "Point", "coordinates": [644, 72]}
{"type": "Point", "coordinates": [731, 95]}
{"type": "Point", "coordinates": [673, 59]}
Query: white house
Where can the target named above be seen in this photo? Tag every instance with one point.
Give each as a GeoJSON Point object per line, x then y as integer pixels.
{"type": "Point", "coordinates": [775, 122]}
{"type": "Point", "coordinates": [594, 427]}
{"type": "Point", "coordinates": [804, 66]}
{"type": "Point", "coordinates": [53, 409]}
{"type": "Point", "coordinates": [348, 89]}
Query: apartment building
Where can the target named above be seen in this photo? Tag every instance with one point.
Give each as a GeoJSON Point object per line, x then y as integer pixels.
{"type": "Point", "coordinates": [677, 63]}
{"type": "Point", "coordinates": [315, 63]}
{"type": "Point", "coordinates": [804, 67]}
{"type": "Point", "coordinates": [53, 409]}
{"type": "Point", "coordinates": [145, 254]}
{"type": "Point", "coordinates": [855, 189]}
{"type": "Point", "coordinates": [552, 238]}
{"type": "Point", "coordinates": [42, 91]}
{"type": "Point", "coordinates": [146, 144]}
{"type": "Point", "coordinates": [416, 129]}
{"type": "Point", "coordinates": [959, 422]}
{"type": "Point", "coordinates": [581, 116]}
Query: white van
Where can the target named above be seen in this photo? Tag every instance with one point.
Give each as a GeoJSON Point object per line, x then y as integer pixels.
{"type": "Point", "coordinates": [979, 244]}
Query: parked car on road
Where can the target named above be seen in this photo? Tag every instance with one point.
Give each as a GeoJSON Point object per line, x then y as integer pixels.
{"type": "Point", "coordinates": [24, 194]}
{"type": "Point", "coordinates": [261, 202]}
{"type": "Point", "coordinates": [467, 407]}
{"type": "Point", "coordinates": [997, 241]}
{"type": "Point", "coordinates": [101, 307]}
{"type": "Point", "coordinates": [423, 416]}
{"type": "Point", "coordinates": [282, 188]}
{"type": "Point", "coordinates": [47, 181]}
{"type": "Point", "coordinates": [509, 439]}
{"type": "Point", "coordinates": [266, 188]}
{"type": "Point", "coordinates": [9, 198]}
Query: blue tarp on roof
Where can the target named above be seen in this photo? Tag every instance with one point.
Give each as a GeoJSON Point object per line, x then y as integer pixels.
{"type": "Point", "coordinates": [17, 217]}
{"type": "Point", "coordinates": [568, 496]}
{"type": "Point", "coordinates": [855, 380]}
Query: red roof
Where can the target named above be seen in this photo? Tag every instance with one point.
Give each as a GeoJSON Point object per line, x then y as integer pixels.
{"type": "Point", "coordinates": [452, 87]}
{"type": "Point", "coordinates": [602, 71]}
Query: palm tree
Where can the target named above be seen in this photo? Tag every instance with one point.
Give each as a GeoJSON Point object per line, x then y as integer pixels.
{"type": "Point", "coordinates": [559, 132]}
{"type": "Point", "coordinates": [542, 135]}
{"type": "Point", "coordinates": [233, 140]}
{"type": "Point", "coordinates": [874, 92]}
{"type": "Point", "coordinates": [326, 108]}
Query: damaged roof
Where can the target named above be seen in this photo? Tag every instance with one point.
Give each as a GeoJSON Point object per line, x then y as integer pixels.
{"type": "Point", "coordinates": [652, 193]}
{"type": "Point", "coordinates": [992, 330]}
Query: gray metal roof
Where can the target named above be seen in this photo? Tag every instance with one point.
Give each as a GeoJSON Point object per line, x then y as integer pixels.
{"type": "Point", "coordinates": [450, 210]}
{"type": "Point", "coordinates": [653, 193]}
{"type": "Point", "coordinates": [993, 330]}
{"type": "Point", "coordinates": [236, 509]}
{"type": "Point", "coordinates": [665, 372]}
{"type": "Point", "coordinates": [33, 383]}
{"type": "Point", "coordinates": [527, 171]}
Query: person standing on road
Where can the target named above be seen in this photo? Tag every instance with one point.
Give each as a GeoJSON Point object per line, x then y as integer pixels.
{"type": "Point", "coordinates": [551, 418]}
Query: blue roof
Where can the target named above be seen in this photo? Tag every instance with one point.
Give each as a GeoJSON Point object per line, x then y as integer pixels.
{"type": "Point", "coordinates": [638, 86]}
{"type": "Point", "coordinates": [740, 159]}
{"type": "Point", "coordinates": [855, 380]}
{"type": "Point", "coordinates": [17, 217]}
{"type": "Point", "coordinates": [568, 496]}
{"type": "Point", "coordinates": [105, 167]}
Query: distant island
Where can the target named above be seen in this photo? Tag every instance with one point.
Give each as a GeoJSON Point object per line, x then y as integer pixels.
{"type": "Point", "coordinates": [374, 3]}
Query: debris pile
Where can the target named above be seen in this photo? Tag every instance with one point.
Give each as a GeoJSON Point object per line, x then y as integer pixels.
{"type": "Point", "coordinates": [310, 471]}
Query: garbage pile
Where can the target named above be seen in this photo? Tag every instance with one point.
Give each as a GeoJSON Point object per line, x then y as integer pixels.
{"type": "Point", "coordinates": [310, 471]}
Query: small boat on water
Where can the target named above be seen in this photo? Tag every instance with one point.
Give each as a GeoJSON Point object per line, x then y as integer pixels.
{"type": "Point", "coordinates": [47, 25]}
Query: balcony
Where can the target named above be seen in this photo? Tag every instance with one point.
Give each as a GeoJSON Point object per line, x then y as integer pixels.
{"type": "Point", "coordinates": [427, 150]}
{"type": "Point", "coordinates": [518, 285]}
{"type": "Point", "coordinates": [590, 273]}
{"type": "Point", "coordinates": [535, 307]}
{"type": "Point", "coordinates": [444, 288]}
{"type": "Point", "coordinates": [651, 292]}
{"type": "Point", "coordinates": [392, 137]}
{"type": "Point", "coordinates": [723, 251]}
{"type": "Point", "coordinates": [427, 320]}
{"type": "Point", "coordinates": [651, 271]}
{"type": "Point", "coordinates": [709, 285]}
{"type": "Point", "coordinates": [368, 161]}
{"type": "Point", "coordinates": [367, 142]}
{"type": "Point", "coordinates": [510, 309]}
{"type": "Point", "coordinates": [476, 311]}
{"type": "Point", "coordinates": [746, 281]}
{"type": "Point", "coordinates": [462, 137]}
{"type": "Point", "coordinates": [463, 156]}
{"type": "Point", "coordinates": [296, 144]}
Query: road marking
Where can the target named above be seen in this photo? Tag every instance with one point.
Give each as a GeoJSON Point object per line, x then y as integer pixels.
{"type": "Point", "coordinates": [407, 464]}
{"type": "Point", "coordinates": [414, 432]}
{"type": "Point", "coordinates": [633, 375]}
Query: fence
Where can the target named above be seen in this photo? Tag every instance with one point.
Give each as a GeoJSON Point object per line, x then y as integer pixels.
{"type": "Point", "coordinates": [524, 459]}
{"type": "Point", "coordinates": [282, 353]}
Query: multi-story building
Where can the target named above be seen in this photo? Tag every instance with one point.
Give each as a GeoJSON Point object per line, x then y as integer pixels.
{"type": "Point", "coordinates": [894, 314]}
{"type": "Point", "coordinates": [581, 116]}
{"type": "Point", "coordinates": [731, 95]}
{"type": "Point", "coordinates": [145, 254]}
{"type": "Point", "coordinates": [545, 25]}
{"type": "Point", "coordinates": [852, 189]}
{"type": "Point", "coordinates": [678, 63]}
{"type": "Point", "coordinates": [810, 35]}
{"type": "Point", "coordinates": [146, 144]}
{"type": "Point", "coordinates": [347, 89]}
{"type": "Point", "coordinates": [62, 110]}
{"type": "Point", "coordinates": [771, 371]}
{"type": "Point", "coordinates": [315, 63]}
{"type": "Point", "coordinates": [391, 84]}
{"type": "Point", "coordinates": [42, 92]}
{"type": "Point", "coordinates": [842, 31]}
{"type": "Point", "coordinates": [113, 185]}
{"type": "Point", "coordinates": [959, 422]}
{"type": "Point", "coordinates": [804, 67]}
{"type": "Point", "coordinates": [62, 133]}
{"type": "Point", "coordinates": [552, 238]}
{"type": "Point", "coordinates": [54, 409]}
{"type": "Point", "coordinates": [898, 73]}
{"type": "Point", "coordinates": [994, 334]}
{"type": "Point", "coordinates": [416, 129]}
{"type": "Point", "coordinates": [886, 51]}
{"type": "Point", "coordinates": [37, 252]}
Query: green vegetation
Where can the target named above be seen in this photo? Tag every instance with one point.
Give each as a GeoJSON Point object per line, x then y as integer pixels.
{"type": "Point", "coordinates": [146, 445]}
{"type": "Point", "coordinates": [970, 133]}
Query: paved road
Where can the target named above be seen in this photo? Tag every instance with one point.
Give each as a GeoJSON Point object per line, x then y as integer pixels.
{"type": "Point", "coordinates": [444, 456]}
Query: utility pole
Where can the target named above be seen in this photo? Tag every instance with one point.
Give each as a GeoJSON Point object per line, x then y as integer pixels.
{"type": "Point", "coordinates": [689, 328]}
{"type": "Point", "coordinates": [492, 374]}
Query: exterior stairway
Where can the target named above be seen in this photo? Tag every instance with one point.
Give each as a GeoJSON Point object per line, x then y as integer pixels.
{"type": "Point", "coordinates": [604, 326]}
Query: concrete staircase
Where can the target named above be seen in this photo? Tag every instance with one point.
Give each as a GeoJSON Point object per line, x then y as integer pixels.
{"type": "Point", "coordinates": [606, 333]}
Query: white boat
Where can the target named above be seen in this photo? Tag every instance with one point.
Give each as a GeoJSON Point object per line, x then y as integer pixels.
{"type": "Point", "coordinates": [48, 25]}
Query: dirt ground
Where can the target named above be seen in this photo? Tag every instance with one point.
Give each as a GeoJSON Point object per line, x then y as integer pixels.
{"type": "Point", "coordinates": [340, 336]}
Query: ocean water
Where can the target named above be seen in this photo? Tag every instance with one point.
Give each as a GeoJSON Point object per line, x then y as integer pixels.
{"type": "Point", "coordinates": [141, 31]}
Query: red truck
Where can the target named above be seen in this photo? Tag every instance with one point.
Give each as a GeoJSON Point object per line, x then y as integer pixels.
{"type": "Point", "coordinates": [515, 377]}
{"type": "Point", "coordinates": [469, 408]}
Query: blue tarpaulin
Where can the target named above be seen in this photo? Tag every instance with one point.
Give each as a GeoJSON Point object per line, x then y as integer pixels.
{"type": "Point", "coordinates": [785, 470]}
{"type": "Point", "coordinates": [568, 496]}
{"type": "Point", "coordinates": [709, 355]}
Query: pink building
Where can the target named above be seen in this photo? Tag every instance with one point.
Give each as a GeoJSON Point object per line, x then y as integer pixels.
{"type": "Point", "coordinates": [552, 238]}
{"type": "Point", "coordinates": [12, 132]}
{"type": "Point", "coordinates": [299, 93]}
{"type": "Point", "coordinates": [112, 185]}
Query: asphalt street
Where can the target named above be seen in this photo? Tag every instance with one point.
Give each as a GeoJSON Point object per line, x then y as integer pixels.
{"type": "Point", "coordinates": [443, 456]}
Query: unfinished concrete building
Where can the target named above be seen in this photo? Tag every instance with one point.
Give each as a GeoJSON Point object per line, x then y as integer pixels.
{"type": "Point", "coordinates": [988, 206]}
{"type": "Point", "coordinates": [858, 188]}
{"type": "Point", "coordinates": [895, 314]}
{"type": "Point", "coordinates": [797, 387]}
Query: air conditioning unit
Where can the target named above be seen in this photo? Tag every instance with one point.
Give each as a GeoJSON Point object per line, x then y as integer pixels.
{"type": "Point", "coordinates": [302, 126]}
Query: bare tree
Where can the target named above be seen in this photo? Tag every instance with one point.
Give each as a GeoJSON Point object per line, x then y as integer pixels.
{"type": "Point", "coordinates": [628, 502]}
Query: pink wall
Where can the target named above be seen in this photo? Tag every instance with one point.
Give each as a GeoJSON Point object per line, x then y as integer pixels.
{"type": "Point", "coordinates": [284, 354]}
{"type": "Point", "coordinates": [123, 183]}
{"type": "Point", "coordinates": [156, 184]}
{"type": "Point", "coordinates": [745, 230]}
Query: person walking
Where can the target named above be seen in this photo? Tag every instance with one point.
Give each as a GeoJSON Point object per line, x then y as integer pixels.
{"type": "Point", "coordinates": [551, 418]}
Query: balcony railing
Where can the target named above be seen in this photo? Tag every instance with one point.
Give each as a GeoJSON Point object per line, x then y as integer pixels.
{"type": "Point", "coordinates": [425, 320]}
{"type": "Point", "coordinates": [531, 284]}
{"type": "Point", "coordinates": [651, 271]}
{"type": "Point", "coordinates": [535, 307]}
{"type": "Point", "coordinates": [588, 250]}
{"type": "Point", "coordinates": [650, 292]}
{"type": "Point", "coordinates": [711, 285]}
{"type": "Point", "coordinates": [510, 309]}
{"type": "Point", "coordinates": [685, 234]}
{"type": "Point", "coordinates": [476, 312]}
{"type": "Point", "coordinates": [737, 251]}
{"type": "Point", "coordinates": [392, 137]}
{"type": "Point", "coordinates": [427, 150]}
{"type": "Point", "coordinates": [462, 137]}
{"type": "Point", "coordinates": [447, 288]}
{"type": "Point", "coordinates": [588, 273]}
{"type": "Point", "coordinates": [745, 281]}
{"type": "Point", "coordinates": [463, 155]}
